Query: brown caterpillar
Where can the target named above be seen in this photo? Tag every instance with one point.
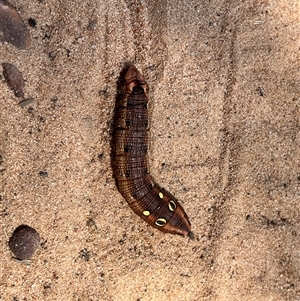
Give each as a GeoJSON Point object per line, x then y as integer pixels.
{"type": "Point", "coordinates": [147, 199]}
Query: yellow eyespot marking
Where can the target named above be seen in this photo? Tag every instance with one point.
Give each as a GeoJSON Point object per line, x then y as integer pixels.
{"type": "Point", "coordinates": [146, 213]}
{"type": "Point", "coordinates": [160, 222]}
{"type": "Point", "coordinates": [161, 195]}
{"type": "Point", "coordinates": [172, 205]}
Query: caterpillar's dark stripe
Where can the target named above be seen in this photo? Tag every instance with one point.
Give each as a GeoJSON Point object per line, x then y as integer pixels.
{"type": "Point", "coordinates": [130, 162]}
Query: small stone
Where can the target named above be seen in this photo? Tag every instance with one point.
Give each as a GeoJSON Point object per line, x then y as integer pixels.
{"type": "Point", "coordinates": [26, 102]}
{"type": "Point", "coordinates": [14, 79]}
{"type": "Point", "coordinates": [92, 25]}
{"type": "Point", "coordinates": [43, 174]}
{"type": "Point", "coordinates": [32, 22]}
{"type": "Point", "coordinates": [24, 242]}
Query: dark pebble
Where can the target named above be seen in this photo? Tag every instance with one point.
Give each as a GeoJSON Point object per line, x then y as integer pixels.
{"type": "Point", "coordinates": [12, 28]}
{"type": "Point", "coordinates": [32, 22]}
{"type": "Point", "coordinates": [92, 25]}
{"type": "Point", "coordinates": [24, 242]}
{"type": "Point", "coordinates": [14, 79]}
{"type": "Point", "coordinates": [43, 174]}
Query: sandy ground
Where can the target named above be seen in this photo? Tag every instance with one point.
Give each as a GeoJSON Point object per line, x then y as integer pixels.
{"type": "Point", "coordinates": [225, 135]}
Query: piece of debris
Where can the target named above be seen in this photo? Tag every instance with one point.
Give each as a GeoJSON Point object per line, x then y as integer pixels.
{"type": "Point", "coordinates": [32, 22]}
{"type": "Point", "coordinates": [24, 242]}
{"type": "Point", "coordinates": [14, 79]}
{"type": "Point", "coordinates": [12, 28]}
{"type": "Point", "coordinates": [92, 25]}
{"type": "Point", "coordinates": [26, 102]}
{"type": "Point", "coordinates": [43, 174]}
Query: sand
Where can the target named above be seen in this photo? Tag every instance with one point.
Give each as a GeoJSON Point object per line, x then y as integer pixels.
{"type": "Point", "coordinates": [225, 136]}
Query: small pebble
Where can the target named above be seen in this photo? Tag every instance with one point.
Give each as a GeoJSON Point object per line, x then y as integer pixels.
{"type": "Point", "coordinates": [43, 174]}
{"type": "Point", "coordinates": [26, 102]}
{"type": "Point", "coordinates": [92, 25]}
{"type": "Point", "coordinates": [24, 242]}
{"type": "Point", "coordinates": [12, 27]}
{"type": "Point", "coordinates": [32, 22]}
{"type": "Point", "coordinates": [14, 79]}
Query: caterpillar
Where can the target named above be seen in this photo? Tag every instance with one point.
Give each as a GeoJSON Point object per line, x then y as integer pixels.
{"type": "Point", "coordinates": [130, 163]}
